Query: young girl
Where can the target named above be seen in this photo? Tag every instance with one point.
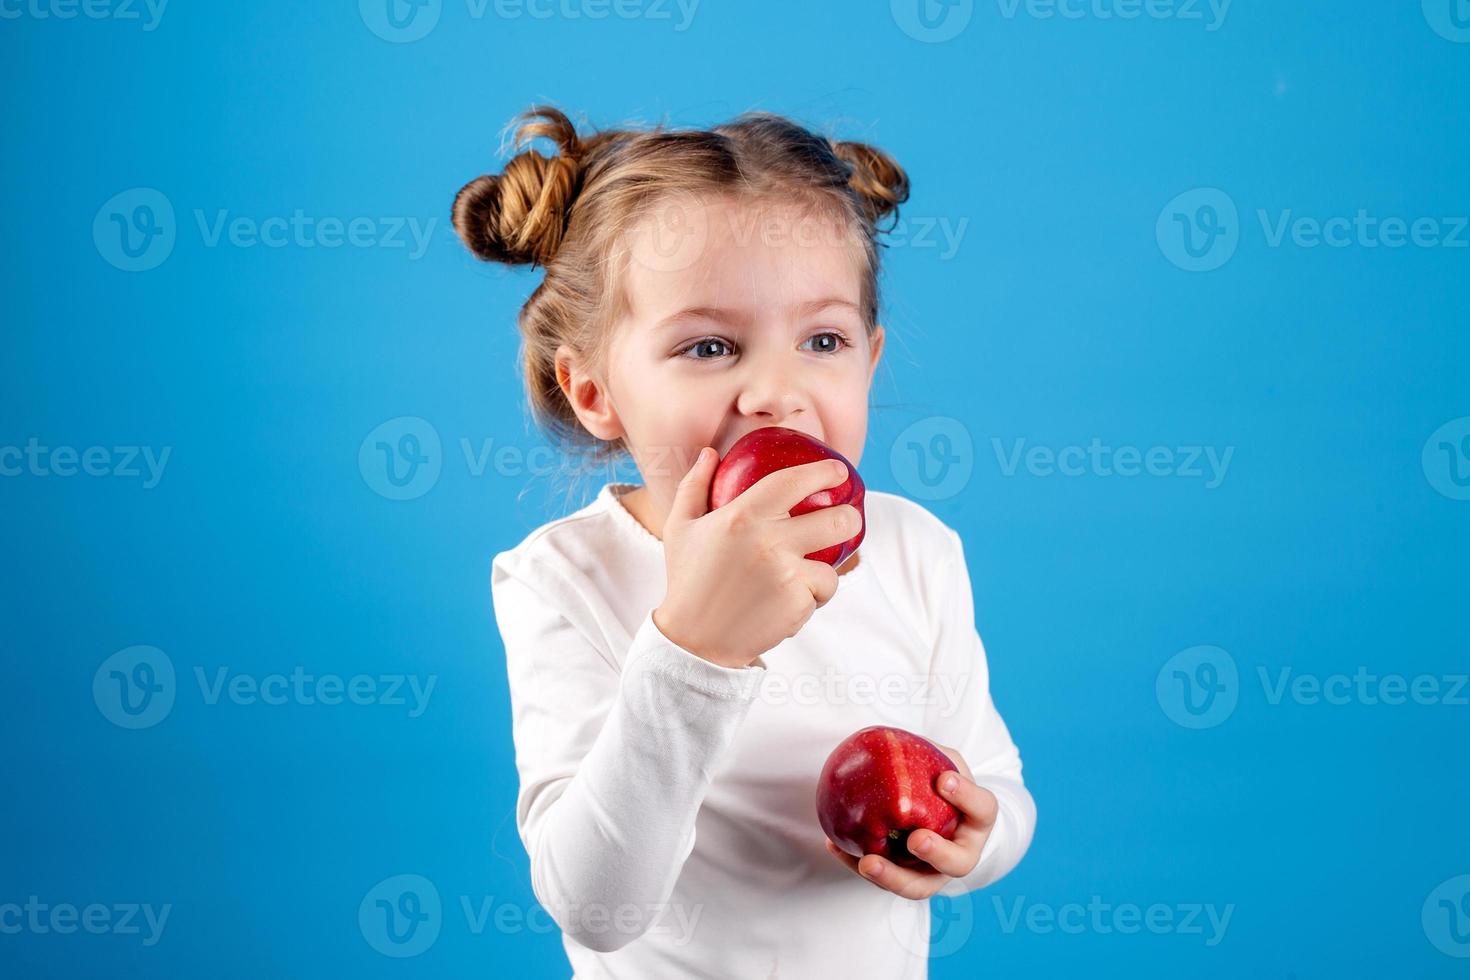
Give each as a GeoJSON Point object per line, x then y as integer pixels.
{"type": "Point", "coordinates": [678, 676]}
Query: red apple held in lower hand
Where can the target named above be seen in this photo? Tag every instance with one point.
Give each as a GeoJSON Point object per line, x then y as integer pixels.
{"type": "Point", "coordinates": [877, 787]}
{"type": "Point", "coordinates": [774, 447]}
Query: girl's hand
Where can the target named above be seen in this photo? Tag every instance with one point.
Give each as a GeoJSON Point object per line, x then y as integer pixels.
{"type": "Point", "coordinates": [738, 583]}
{"type": "Point", "coordinates": [950, 859]}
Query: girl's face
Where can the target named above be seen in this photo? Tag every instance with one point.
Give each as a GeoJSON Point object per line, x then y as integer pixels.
{"type": "Point", "coordinates": [740, 316]}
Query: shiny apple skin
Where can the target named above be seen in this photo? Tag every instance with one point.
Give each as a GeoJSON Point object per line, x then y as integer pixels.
{"type": "Point", "coordinates": [877, 787]}
{"type": "Point", "coordinates": [765, 450]}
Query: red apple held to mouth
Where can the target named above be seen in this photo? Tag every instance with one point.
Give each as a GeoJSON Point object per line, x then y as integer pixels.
{"type": "Point", "coordinates": [765, 450]}
{"type": "Point", "coordinates": [877, 787]}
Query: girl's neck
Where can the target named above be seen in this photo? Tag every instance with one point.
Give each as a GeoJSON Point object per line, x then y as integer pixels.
{"type": "Point", "coordinates": [640, 505]}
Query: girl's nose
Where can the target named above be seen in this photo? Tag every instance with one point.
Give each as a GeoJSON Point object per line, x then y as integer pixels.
{"type": "Point", "coordinates": [769, 393]}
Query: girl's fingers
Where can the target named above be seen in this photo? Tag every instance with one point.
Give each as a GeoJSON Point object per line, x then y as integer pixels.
{"type": "Point", "coordinates": [843, 856]}
{"type": "Point", "coordinates": [947, 856]}
{"type": "Point", "coordinates": [821, 578]}
{"type": "Point", "coordinates": [903, 882]}
{"type": "Point", "coordinates": [977, 803]}
{"type": "Point", "coordinates": [691, 497]}
{"type": "Point", "coordinates": [774, 494]}
{"type": "Point", "coordinates": [821, 528]}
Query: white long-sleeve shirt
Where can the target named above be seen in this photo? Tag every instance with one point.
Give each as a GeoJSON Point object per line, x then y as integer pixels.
{"type": "Point", "coordinates": [668, 804]}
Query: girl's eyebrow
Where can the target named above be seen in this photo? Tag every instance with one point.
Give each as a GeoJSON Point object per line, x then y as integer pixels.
{"type": "Point", "coordinates": [739, 317]}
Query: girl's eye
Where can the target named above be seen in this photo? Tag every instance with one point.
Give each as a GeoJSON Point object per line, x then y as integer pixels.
{"type": "Point", "coordinates": [713, 348]}
{"type": "Point", "coordinates": [834, 342]}
{"type": "Point", "coordinates": [705, 349]}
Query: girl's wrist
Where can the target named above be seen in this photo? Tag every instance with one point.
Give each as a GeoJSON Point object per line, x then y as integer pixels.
{"type": "Point", "coordinates": [677, 636]}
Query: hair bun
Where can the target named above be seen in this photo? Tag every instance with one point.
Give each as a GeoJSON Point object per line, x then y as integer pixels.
{"type": "Point", "coordinates": [519, 216]}
{"type": "Point", "coordinates": [879, 182]}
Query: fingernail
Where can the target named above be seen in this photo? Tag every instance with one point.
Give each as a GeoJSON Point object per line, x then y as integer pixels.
{"type": "Point", "coordinates": [923, 845]}
{"type": "Point", "coordinates": [950, 782]}
{"type": "Point", "coordinates": [874, 870]}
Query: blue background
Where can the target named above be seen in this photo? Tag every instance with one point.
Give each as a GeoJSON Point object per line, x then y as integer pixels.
{"type": "Point", "coordinates": [1330, 545]}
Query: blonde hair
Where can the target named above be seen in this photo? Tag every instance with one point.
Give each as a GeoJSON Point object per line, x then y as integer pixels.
{"type": "Point", "coordinates": [568, 213]}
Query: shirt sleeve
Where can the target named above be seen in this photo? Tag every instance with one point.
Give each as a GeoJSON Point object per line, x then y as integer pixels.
{"type": "Point", "coordinates": [963, 717]}
{"type": "Point", "coordinates": [613, 765]}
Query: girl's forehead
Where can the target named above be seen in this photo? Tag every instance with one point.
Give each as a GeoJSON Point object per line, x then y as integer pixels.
{"type": "Point", "coordinates": [732, 255]}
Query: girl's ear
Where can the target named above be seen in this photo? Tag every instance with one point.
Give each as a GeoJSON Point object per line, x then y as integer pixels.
{"type": "Point", "coordinates": [876, 343]}
{"type": "Point", "coordinates": [587, 395]}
